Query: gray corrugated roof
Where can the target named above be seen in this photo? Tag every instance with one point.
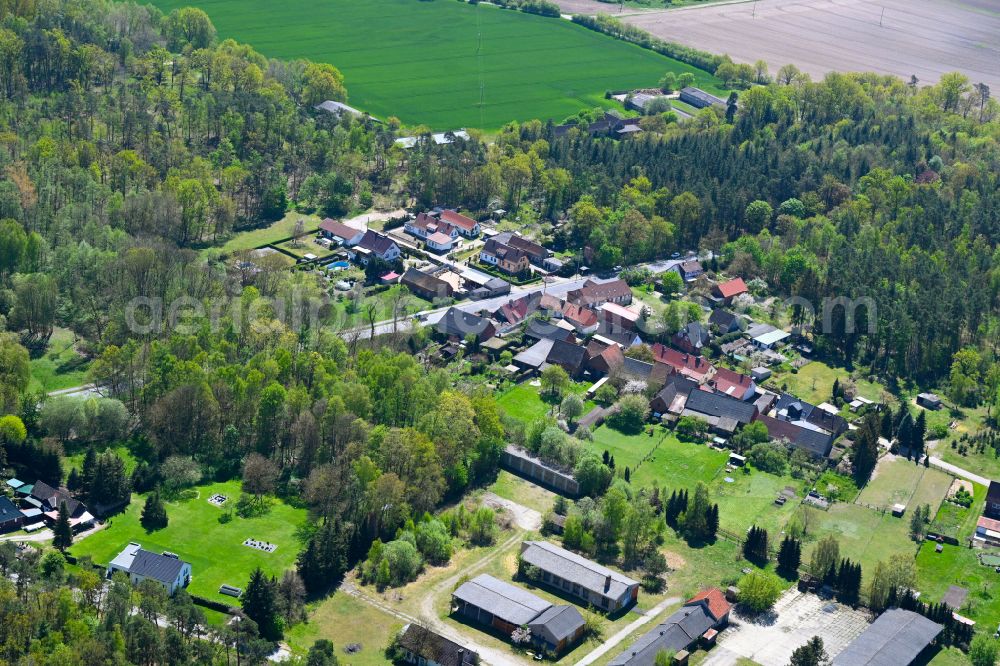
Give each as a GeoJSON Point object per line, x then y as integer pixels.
{"type": "Point", "coordinates": [157, 567]}
{"type": "Point", "coordinates": [536, 354]}
{"type": "Point", "coordinates": [434, 647]}
{"type": "Point", "coordinates": [505, 601]}
{"type": "Point", "coordinates": [576, 569]}
{"type": "Point", "coordinates": [675, 633]}
{"type": "Point", "coordinates": [896, 638]}
{"type": "Point", "coordinates": [557, 623]}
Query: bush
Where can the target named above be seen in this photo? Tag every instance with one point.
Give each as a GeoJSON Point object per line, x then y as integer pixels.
{"type": "Point", "coordinates": [759, 590]}
{"type": "Point", "coordinates": [629, 414]}
{"type": "Point", "coordinates": [769, 457]}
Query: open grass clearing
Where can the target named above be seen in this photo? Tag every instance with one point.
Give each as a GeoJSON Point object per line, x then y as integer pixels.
{"type": "Point", "coordinates": [749, 500]}
{"type": "Point", "coordinates": [514, 488]}
{"type": "Point", "coordinates": [526, 402]}
{"type": "Point", "coordinates": [814, 383]}
{"type": "Point", "coordinates": [276, 231]}
{"type": "Point", "coordinates": [345, 620]}
{"type": "Point", "coordinates": [59, 366]}
{"type": "Point", "coordinates": [900, 481]}
{"type": "Point", "coordinates": [957, 521]}
{"type": "Point", "coordinates": [865, 536]}
{"type": "Point", "coordinates": [446, 64]}
{"type": "Point", "coordinates": [215, 550]}
{"type": "Point", "coordinates": [959, 565]}
{"type": "Point", "coordinates": [674, 464]}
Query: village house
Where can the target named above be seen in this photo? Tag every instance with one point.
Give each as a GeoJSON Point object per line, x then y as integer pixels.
{"type": "Point", "coordinates": [167, 569]}
{"type": "Point", "coordinates": [765, 336]}
{"type": "Point", "coordinates": [508, 259]}
{"type": "Point", "coordinates": [423, 647]}
{"type": "Point", "coordinates": [723, 414]}
{"type": "Point", "coordinates": [696, 624]}
{"type": "Point", "coordinates": [340, 233]}
{"type": "Point", "coordinates": [505, 607]}
{"type": "Point", "coordinates": [595, 294]}
{"type": "Point", "coordinates": [689, 365]}
{"type": "Point", "coordinates": [690, 270]}
{"type": "Point", "coordinates": [727, 291]}
{"type": "Point", "coordinates": [579, 577]}
{"type": "Point", "coordinates": [988, 532]}
{"type": "Point", "coordinates": [692, 339]}
{"type": "Point", "coordinates": [672, 397]}
{"type": "Point", "coordinates": [723, 322]}
{"type": "Point", "coordinates": [11, 518]}
{"type": "Point", "coordinates": [426, 286]}
{"type": "Point", "coordinates": [466, 226]}
{"type": "Point", "coordinates": [814, 442]}
{"type": "Point", "coordinates": [733, 384]}
{"type": "Point", "coordinates": [490, 288]}
{"type": "Point", "coordinates": [49, 499]}
{"type": "Point", "coordinates": [458, 325]}
{"type": "Point", "coordinates": [619, 317]}
{"type": "Point", "coordinates": [374, 244]}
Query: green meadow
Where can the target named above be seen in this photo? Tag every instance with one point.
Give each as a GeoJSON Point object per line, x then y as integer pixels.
{"type": "Point", "coordinates": [443, 63]}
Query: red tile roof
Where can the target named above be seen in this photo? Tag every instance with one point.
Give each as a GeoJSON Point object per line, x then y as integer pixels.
{"type": "Point", "coordinates": [732, 288]}
{"type": "Point", "coordinates": [714, 599]}
{"type": "Point", "coordinates": [338, 229]}
{"type": "Point", "coordinates": [459, 220]}
{"type": "Point", "coordinates": [578, 315]}
{"type": "Point", "coordinates": [690, 365]}
{"type": "Point", "coordinates": [731, 383]}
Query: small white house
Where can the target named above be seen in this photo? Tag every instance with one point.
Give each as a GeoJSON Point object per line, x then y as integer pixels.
{"type": "Point", "coordinates": [167, 569]}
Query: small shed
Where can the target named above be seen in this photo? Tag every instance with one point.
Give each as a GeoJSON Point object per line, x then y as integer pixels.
{"type": "Point", "coordinates": [737, 459]}
{"type": "Point", "coordinates": [760, 374]}
{"type": "Point", "coordinates": [898, 510]}
{"type": "Point", "coordinates": [929, 400]}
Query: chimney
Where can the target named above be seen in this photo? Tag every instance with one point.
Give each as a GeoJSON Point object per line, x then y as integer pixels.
{"type": "Point", "coordinates": [607, 582]}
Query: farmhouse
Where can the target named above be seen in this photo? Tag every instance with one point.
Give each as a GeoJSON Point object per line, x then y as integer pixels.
{"type": "Point", "coordinates": [733, 384]}
{"type": "Point", "coordinates": [465, 225]}
{"type": "Point", "coordinates": [374, 244]}
{"type": "Point", "coordinates": [689, 270]}
{"type": "Point", "coordinates": [689, 365]}
{"type": "Point", "coordinates": [898, 637]}
{"type": "Point", "coordinates": [457, 325]}
{"type": "Point", "coordinates": [583, 319]}
{"type": "Point", "coordinates": [692, 339]}
{"type": "Point", "coordinates": [48, 499]}
{"type": "Point", "coordinates": [568, 356]}
{"type": "Point", "coordinates": [673, 396]}
{"type": "Point", "coordinates": [595, 294]}
{"type": "Point", "coordinates": [521, 462]}
{"type": "Point", "coordinates": [992, 508]}
{"type": "Point", "coordinates": [505, 607]}
{"type": "Point", "coordinates": [577, 576]}
{"type": "Point", "coordinates": [699, 620]}
{"type": "Point", "coordinates": [729, 290]}
{"type": "Point", "coordinates": [814, 442]}
{"type": "Point", "coordinates": [620, 317]}
{"type": "Point", "coordinates": [423, 647]}
{"type": "Point", "coordinates": [425, 285]}
{"type": "Point", "coordinates": [723, 414]}
{"type": "Point", "coordinates": [508, 259]}
{"type": "Point", "coordinates": [341, 233]}
{"type": "Point", "coordinates": [698, 98]}
{"type": "Point", "coordinates": [11, 518]}
{"type": "Point", "coordinates": [535, 252]}
{"type": "Point", "coordinates": [723, 321]}
{"type": "Point", "coordinates": [929, 401]}
{"type": "Point", "coordinates": [167, 569]}
{"type": "Point", "coordinates": [440, 242]}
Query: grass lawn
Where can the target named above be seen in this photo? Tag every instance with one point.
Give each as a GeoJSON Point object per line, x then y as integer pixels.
{"type": "Point", "coordinates": [343, 619]}
{"type": "Point", "coordinates": [524, 492]}
{"type": "Point", "coordinates": [749, 500]}
{"type": "Point", "coordinates": [525, 402]}
{"type": "Point", "coordinates": [958, 521]}
{"type": "Point", "coordinates": [59, 366]}
{"type": "Point", "coordinates": [341, 317]}
{"type": "Point", "coordinates": [899, 481]}
{"type": "Point", "coordinates": [74, 458]}
{"type": "Point", "coordinates": [675, 464]}
{"type": "Point", "coordinates": [814, 383]}
{"type": "Point", "coordinates": [959, 565]}
{"type": "Point", "coordinates": [865, 536]}
{"type": "Point", "coordinates": [283, 228]}
{"type": "Point", "coordinates": [446, 64]}
{"type": "Point", "coordinates": [215, 550]}
{"type": "Point", "coordinates": [629, 451]}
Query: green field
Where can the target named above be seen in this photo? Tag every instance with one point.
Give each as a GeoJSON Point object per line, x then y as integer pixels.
{"type": "Point", "coordinates": [525, 401]}
{"type": "Point", "coordinates": [749, 500]}
{"type": "Point", "coordinates": [59, 366]}
{"type": "Point", "coordinates": [215, 550]}
{"type": "Point", "coordinates": [443, 63]}
{"type": "Point", "coordinates": [900, 481]}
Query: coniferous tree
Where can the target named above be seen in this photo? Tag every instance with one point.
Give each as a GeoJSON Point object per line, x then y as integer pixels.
{"type": "Point", "coordinates": [755, 545]}
{"type": "Point", "coordinates": [154, 513]}
{"type": "Point", "coordinates": [62, 531]}
{"type": "Point", "coordinates": [324, 559]}
{"type": "Point", "coordinates": [712, 529]}
{"type": "Point", "coordinates": [260, 604]}
{"type": "Point", "coordinates": [864, 453]}
{"type": "Point", "coordinates": [813, 653]}
{"type": "Point", "coordinates": [789, 557]}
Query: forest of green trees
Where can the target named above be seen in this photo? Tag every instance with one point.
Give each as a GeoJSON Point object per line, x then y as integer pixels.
{"type": "Point", "coordinates": [131, 143]}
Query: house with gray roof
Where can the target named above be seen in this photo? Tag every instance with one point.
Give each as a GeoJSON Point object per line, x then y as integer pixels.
{"type": "Point", "coordinates": [579, 577]}
{"type": "Point", "coordinates": [167, 569]}
{"type": "Point", "coordinates": [723, 413]}
{"type": "Point", "coordinates": [424, 647]}
{"type": "Point", "coordinates": [897, 638]}
{"type": "Point", "coordinates": [505, 607]}
{"type": "Point", "coordinates": [678, 632]}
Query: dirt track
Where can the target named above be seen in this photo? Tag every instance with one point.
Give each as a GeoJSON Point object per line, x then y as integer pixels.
{"type": "Point", "coordinates": [922, 37]}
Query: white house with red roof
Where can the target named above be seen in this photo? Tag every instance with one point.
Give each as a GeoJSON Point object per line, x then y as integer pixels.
{"type": "Point", "coordinates": [340, 232]}
{"type": "Point", "coordinates": [733, 384]}
{"type": "Point", "coordinates": [465, 225]}
{"type": "Point", "coordinates": [689, 365]}
{"type": "Point", "coordinates": [730, 289]}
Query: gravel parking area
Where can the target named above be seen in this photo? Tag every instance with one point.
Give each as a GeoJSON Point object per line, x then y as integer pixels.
{"type": "Point", "coordinates": [797, 618]}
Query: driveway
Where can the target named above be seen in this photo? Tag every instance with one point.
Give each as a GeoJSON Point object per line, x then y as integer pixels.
{"type": "Point", "coordinates": [958, 471]}
{"type": "Point", "coordinates": [624, 633]}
